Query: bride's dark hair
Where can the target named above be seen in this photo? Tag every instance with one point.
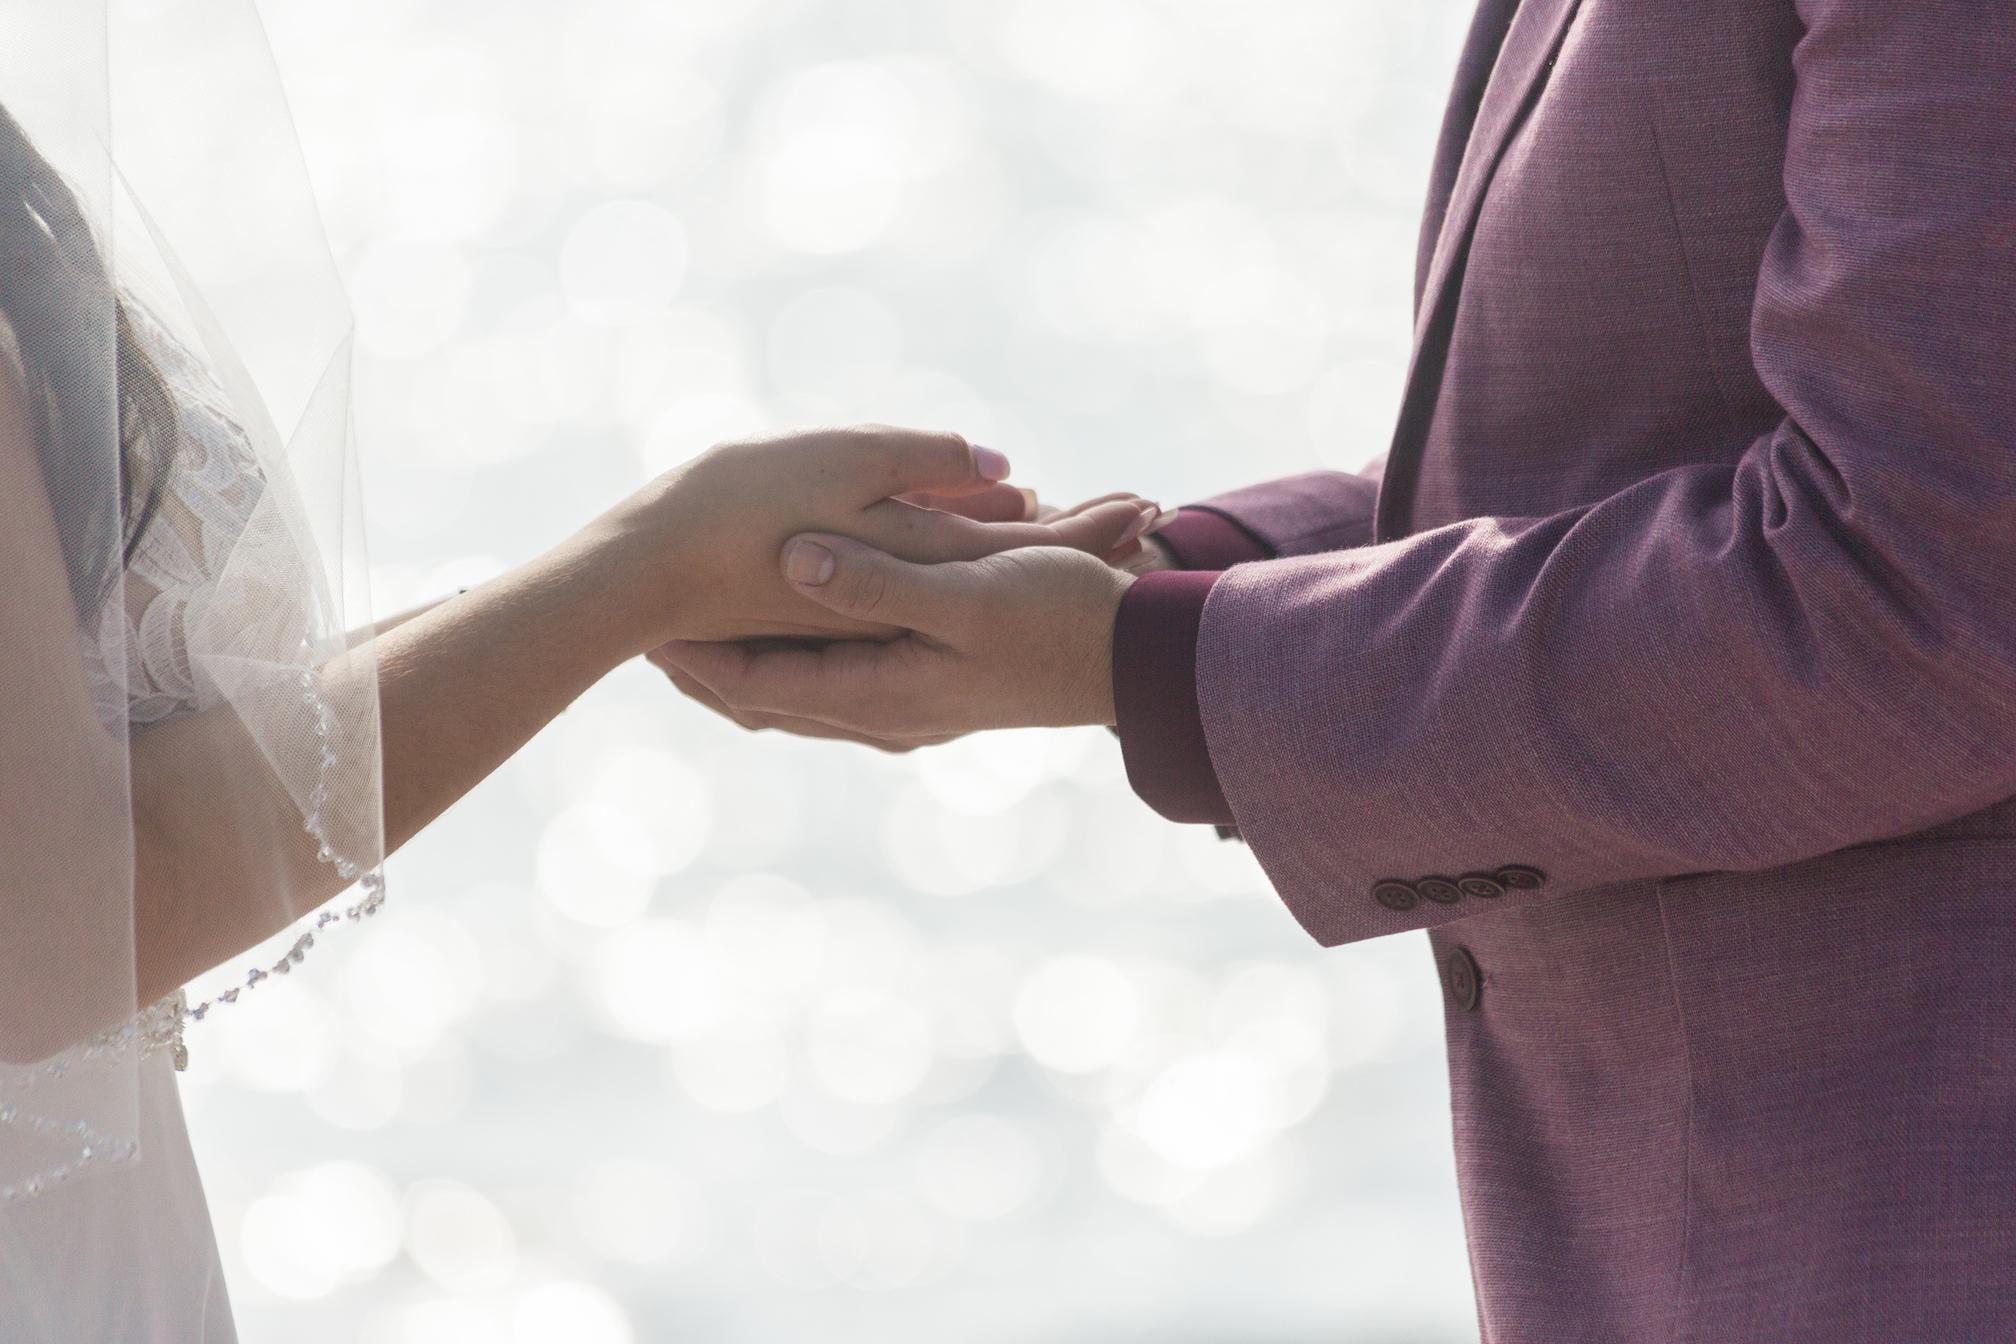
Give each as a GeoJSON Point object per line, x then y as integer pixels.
{"type": "Point", "coordinates": [55, 292]}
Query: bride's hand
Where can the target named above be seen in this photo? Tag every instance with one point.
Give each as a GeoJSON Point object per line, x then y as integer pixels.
{"type": "Point", "coordinates": [700, 543]}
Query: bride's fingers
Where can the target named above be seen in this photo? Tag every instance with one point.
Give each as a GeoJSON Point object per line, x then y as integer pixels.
{"type": "Point", "coordinates": [924, 536]}
{"type": "Point", "coordinates": [1070, 511]}
{"type": "Point", "coordinates": [890, 461]}
{"type": "Point", "coordinates": [1101, 529]}
{"type": "Point", "coordinates": [998, 503]}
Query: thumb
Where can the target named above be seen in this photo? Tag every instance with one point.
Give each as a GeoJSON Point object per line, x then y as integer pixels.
{"type": "Point", "coordinates": [843, 575]}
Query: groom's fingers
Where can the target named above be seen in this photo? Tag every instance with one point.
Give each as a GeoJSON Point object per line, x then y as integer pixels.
{"type": "Point", "coordinates": [700, 694]}
{"type": "Point", "coordinates": [783, 723]}
{"type": "Point", "coordinates": [837, 685]}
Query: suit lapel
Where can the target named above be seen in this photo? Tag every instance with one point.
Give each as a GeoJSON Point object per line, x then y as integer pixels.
{"type": "Point", "coordinates": [1516, 40]}
{"type": "Point", "coordinates": [1473, 72]}
{"type": "Point", "coordinates": [1523, 58]}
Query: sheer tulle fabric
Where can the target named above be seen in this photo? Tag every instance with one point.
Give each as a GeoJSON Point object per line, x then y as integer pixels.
{"type": "Point", "coordinates": [219, 659]}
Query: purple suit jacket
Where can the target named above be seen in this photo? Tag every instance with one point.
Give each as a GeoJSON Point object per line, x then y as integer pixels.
{"type": "Point", "coordinates": [1671, 685]}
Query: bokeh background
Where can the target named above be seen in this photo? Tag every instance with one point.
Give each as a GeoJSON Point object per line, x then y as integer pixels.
{"type": "Point", "coordinates": [676, 1033]}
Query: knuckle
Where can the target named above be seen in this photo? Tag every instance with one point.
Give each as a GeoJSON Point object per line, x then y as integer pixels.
{"type": "Point", "coordinates": [865, 590]}
{"type": "Point", "coordinates": [865, 442]}
{"type": "Point", "coordinates": [955, 450]}
{"type": "Point", "coordinates": [940, 451]}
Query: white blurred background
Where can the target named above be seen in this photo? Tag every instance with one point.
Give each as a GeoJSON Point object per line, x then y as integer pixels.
{"type": "Point", "coordinates": [675, 1033]}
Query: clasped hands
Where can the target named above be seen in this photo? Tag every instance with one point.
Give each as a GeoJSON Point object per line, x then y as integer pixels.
{"type": "Point", "coordinates": [915, 596]}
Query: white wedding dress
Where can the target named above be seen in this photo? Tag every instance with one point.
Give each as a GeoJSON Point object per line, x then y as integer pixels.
{"type": "Point", "coordinates": [132, 1246]}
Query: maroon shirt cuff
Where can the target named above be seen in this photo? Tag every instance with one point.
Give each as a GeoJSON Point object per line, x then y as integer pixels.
{"type": "Point", "coordinates": [1203, 539]}
{"type": "Point", "coordinates": [1155, 705]}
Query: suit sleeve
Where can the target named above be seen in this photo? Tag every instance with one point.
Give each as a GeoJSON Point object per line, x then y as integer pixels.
{"type": "Point", "coordinates": [1296, 515]}
{"type": "Point", "coordinates": [1724, 667]}
{"type": "Point", "coordinates": [1157, 715]}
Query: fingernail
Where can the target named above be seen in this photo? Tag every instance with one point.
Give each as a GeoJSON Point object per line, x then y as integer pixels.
{"type": "Point", "coordinates": [991, 465]}
{"type": "Point", "coordinates": [1163, 517]}
{"type": "Point", "coordinates": [1029, 504]}
{"type": "Point", "coordinates": [1136, 528]}
{"type": "Point", "coordinates": [809, 563]}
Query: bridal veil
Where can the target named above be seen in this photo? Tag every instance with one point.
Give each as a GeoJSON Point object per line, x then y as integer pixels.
{"type": "Point", "coordinates": [158, 219]}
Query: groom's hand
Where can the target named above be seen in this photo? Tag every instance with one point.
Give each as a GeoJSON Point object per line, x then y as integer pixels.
{"type": "Point", "coordinates": [1021, 638]}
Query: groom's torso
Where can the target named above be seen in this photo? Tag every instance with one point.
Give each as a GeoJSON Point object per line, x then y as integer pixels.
{"type": "Point", "coordinates": [1760, 1106]}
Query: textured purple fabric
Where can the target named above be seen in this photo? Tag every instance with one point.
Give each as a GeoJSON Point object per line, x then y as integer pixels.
{"type": "Point", "coordinates": [1298, 515]}
{"type": "Point", "coordinates": [1155, 696]}
{"type": "Point", "coordinates": [1202, 538]}
{"type": "Point", "coordinates": [1156, 716]}
{"type": "Point", "coordinates": [1158, 720]}
{"type": "Point", "coordinates": [1690, 627]}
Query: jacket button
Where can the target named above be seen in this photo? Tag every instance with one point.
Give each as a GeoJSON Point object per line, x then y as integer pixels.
{"type": "Point", "coordinates": [1394, 894]}
{"type": "Point", "coordinates": [1460, 976]}
{"type": "Point", "coordinates": [1481, 885]}
{"type": "Point", "coordinates": [1439, 890]}
{"type": "Point", "coordinates": [1519, 878]}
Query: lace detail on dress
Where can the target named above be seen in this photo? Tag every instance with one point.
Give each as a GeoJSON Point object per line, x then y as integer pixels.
{"type": "Point", "coordinates": [214, 483]}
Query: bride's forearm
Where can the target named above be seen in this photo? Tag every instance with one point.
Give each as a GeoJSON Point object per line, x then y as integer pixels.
{"type": "Point", "coordinates": [464, 685]}
{"type": "Point", "coordinates": [222, 859]}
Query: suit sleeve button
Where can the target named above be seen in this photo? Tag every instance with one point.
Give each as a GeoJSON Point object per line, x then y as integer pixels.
{"type": "Point", "coordinates": [1394, 894]}
{"type": "Point", "coordinates": [1519, 878]}
{"type": "Point", "coordinates": [1439, 890]}
{"type": "Point", "coordinates": [1462, 979]}
{"type": "Point", "coordinates": [1483, 886]}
